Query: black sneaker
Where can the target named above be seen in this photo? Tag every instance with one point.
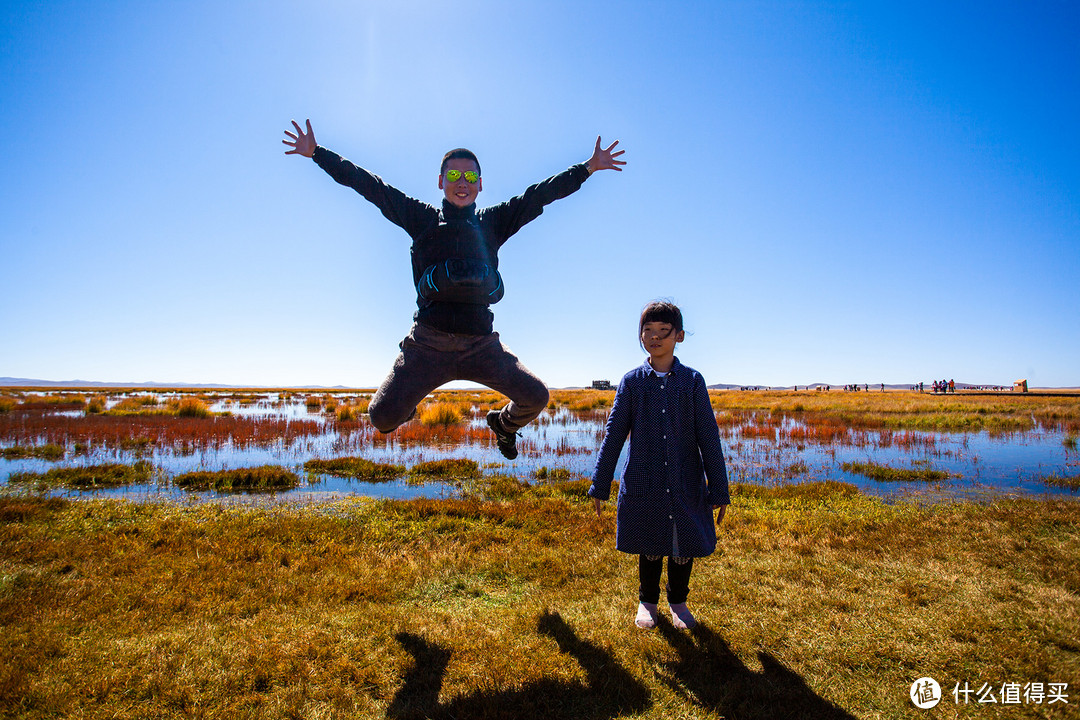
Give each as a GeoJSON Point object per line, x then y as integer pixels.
{"type": "Point", "coordinates": [507, 441]}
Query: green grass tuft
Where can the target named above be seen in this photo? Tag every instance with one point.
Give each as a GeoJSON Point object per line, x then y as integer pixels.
{"type": "Point", "coordinates": [265, 478]}
{"type": "Point", "coordinates": [554, 473]}
{"type": "Point", "coordinates": [1070, 483]}
{"type": "Point", "coordinates": [90, 477]}
{"type": "Point", "coordinates": [445, 470]}
{"type": "Point", "coordinates": [885, 473]}
{"type": "Point", "coordinates": [355, 467]}
{"type": "Point", "coordinates": [503, 487]}
{"type": "Point", "coordinates": [49, 451]}
{"type": "Point", "coordinates": [574, 489]}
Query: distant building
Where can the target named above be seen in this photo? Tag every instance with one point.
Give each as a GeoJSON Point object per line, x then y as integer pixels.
{"type": "Point", "coordinates": [602, 385]}
{"type": "Point", "coordinates": [1020, 386]}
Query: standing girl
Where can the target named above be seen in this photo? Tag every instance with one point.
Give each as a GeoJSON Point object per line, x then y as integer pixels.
{"type": "Point", "coordinates": [665, 504]}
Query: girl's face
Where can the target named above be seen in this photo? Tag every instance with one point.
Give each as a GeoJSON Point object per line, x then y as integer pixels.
{"type": "Point", "coordinates": [659, 339]}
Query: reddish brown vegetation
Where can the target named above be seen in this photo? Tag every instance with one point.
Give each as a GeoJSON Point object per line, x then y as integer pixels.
{"type": "Point", "coordinates": [758, 431]}
{"type": "Point", "coordinates": [824, 433]}
{"type": "Point", "coordinates": [907, 439]}
{"type": "Point", "coordinates": [160, 430]}
{"type": "Point", "coordinates": [416, 433]}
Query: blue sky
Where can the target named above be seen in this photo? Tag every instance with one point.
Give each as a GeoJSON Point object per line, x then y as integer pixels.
{"type": "Point", "coordinates": [832, 192]}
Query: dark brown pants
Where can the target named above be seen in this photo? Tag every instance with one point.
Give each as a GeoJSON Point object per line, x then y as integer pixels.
{"type": "Point", "coordinates": [430, 358]}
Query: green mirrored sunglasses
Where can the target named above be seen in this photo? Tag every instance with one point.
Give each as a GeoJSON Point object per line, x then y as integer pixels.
{"type": "Point", "coordinates": [471, 176]}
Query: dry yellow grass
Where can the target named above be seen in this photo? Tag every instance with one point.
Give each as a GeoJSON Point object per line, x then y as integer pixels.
{"type": "Point", "coordinates": [443, 413]}
{"type": "Point", "coordinates": [911, 410]}
{"type": "Point", "coordinates": [821, 603]}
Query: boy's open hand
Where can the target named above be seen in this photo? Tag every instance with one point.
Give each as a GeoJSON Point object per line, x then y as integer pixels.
{"type": "Point", "coordinates": [598, 504]}
{"type": "Point", "coordinates": [301, 144]}
{"type": "Point", "coordinates": [603, 159]}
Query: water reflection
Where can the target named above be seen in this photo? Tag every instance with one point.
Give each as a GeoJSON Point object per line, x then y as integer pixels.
{"type": "Point", "coordinates": [287, 429]}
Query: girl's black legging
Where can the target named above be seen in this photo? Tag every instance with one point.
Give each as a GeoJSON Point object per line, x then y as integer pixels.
{"type": "Point", "coordinates": [678, 586]}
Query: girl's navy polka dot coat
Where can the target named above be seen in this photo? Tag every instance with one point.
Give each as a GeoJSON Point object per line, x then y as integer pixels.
{"type": "Point", "coordinates": [665, 504]}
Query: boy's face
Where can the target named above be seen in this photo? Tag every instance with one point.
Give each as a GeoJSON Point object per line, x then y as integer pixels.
{"type": "Point", "coordinates": [461, 192]}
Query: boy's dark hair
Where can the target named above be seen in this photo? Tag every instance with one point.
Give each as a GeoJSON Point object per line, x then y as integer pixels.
{"type": "Point", "coordinates": [459, 153]}
{"type": "Point", "coordinates": [661, 311]}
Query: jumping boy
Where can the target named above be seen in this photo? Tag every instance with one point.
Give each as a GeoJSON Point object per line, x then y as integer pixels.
{"type": "Point", "coordinates": [455, 267]}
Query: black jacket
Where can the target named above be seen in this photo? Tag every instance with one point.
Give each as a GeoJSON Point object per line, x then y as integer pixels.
{"type": "Point", "coordinates": [440, 234]}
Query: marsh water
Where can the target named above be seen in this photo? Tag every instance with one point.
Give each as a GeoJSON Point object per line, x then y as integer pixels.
{"type": "Point", "coordinates": [567, 442]}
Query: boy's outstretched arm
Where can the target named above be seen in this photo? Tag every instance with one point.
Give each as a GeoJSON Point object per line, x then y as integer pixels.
{"type": "Point", "coordinates": [302, 144]}
{"type": "Point", "coordinates": [411, 215]}
{"type": "Point", "coordinates": [602, 158]}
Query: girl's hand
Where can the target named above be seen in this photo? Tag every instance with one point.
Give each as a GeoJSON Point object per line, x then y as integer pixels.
{"type": "Point", "coordinates": [722, 510]}
{"type": "Point", "coordinates": [597, 503]}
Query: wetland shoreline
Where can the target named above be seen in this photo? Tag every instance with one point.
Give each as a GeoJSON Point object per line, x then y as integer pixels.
{"type": "Point", "coordinates": [1010, 444]}
{"type": "Point", "coordinates": [502, 594]}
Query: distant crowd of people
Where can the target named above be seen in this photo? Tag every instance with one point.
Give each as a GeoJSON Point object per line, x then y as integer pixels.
{"type": "Point", "coordinates": [942, 386]}
{"type": "Point", "coordinates": [937, 387]}
{"type": "Point", "coordinates": [861, 388]}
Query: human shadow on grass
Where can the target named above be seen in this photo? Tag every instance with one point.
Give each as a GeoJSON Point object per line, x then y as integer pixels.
{"type": "Point", "coordinates": [710, 675]}
{"type": "Point", "coordinates": [609, 690]}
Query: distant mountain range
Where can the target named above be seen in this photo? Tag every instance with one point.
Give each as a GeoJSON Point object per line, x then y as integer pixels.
{"type": "Point", "coordinates": [927, 387]}
{"type": "Point", "coordinates": [861, 386]}
{"type": "Point", "coordinates": [33, 382]}
{"type": "Point", "coordinates": [36, 383]}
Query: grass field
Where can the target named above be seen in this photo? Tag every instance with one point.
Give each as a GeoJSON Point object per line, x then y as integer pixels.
{"type": "Point", "coordinates": [913, 410]}
{"type": "Point", "coordinates": [820, 603]}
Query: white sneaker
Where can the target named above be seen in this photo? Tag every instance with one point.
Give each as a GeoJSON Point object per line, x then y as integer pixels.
{"type": "Point", "coordinates": [646, 615]}
{"type": "Point", "coordinates": [681, 617]}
